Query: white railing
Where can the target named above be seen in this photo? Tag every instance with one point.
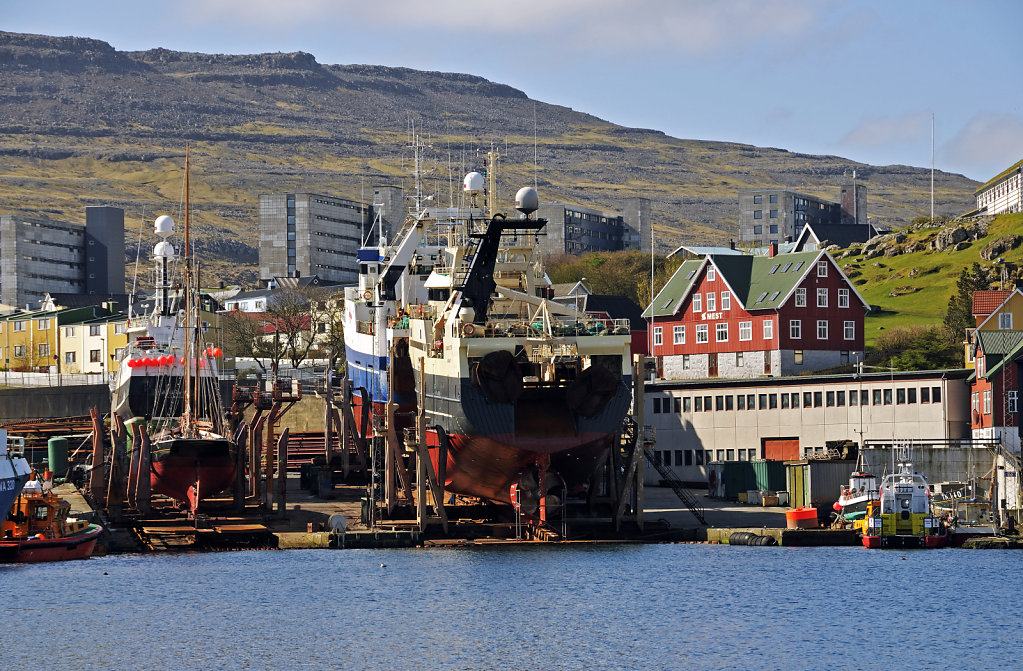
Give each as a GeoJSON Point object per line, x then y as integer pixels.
{"type": "Point", "coordinates": [20, 379]}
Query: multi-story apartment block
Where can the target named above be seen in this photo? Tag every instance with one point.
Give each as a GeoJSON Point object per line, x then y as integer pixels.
{"type": "Point", "coordinates": [573, 230]}
{"type": "Point", "coordinates": [738, 316]}
{"type": "Point", "coordinates": [39, 255]}
{"type": "Point", "coordinates": [85, 338]}
{"type": "Point", "coordinates": [1003, 192]}
{"type": "Point", "coordinates": [775, 216]}
{"type": "Point", "coordinates": [302, 234]}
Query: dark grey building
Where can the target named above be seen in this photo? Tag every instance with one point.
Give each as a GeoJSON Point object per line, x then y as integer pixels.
{"type": "Point", "coordinates": [572, 229]}
{"type": "Point", "coordinates": [40, 256]}
{"type": "Point", "coordinates": [305, 234]}
{"type": "Point", "coordinates": [777, 215]}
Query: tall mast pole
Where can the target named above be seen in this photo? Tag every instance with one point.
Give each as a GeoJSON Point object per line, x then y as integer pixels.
{"type": "Point", "coordinates": [932, 166]}
{"type": "Point", "coordinates": [186, 419]}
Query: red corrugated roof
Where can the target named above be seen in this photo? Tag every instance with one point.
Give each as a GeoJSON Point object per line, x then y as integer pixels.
{"type": "Point", "coordinates": [987, 301]}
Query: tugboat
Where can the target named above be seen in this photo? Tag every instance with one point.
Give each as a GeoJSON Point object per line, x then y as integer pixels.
{"type": "Point", "coordinates": [454, 321]}
{"type": "Point", "coordinates": [38, 528]}
{"type": "Point", "coordinates": [902, 518]}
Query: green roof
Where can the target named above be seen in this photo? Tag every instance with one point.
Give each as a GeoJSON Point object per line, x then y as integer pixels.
{"type": "Point", "coordinates": [757, 282]}
{"type": "Point", "coordinates": [999, 347]}
{"type": "Point", "coordinates": [1000, 176]}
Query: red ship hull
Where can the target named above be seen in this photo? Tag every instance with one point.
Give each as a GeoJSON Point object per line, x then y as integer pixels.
{"type": "Point", "coordinates": [191, 469]}
{"type": "Point", "coordinates": [77, 546]}
{"type": "Point", "coordinates": [925, 542]}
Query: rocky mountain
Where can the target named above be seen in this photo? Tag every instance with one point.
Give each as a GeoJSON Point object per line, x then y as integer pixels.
{"type": "Point", "coordinates": [82, 123]}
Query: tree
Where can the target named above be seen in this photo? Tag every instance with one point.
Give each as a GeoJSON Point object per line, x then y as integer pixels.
{"type": "Point", "coordinates": [326, 314]}
{"type": "Point", "coordinates": [918, 348]}
{"type": "Point", "coordinates": [959, 316]}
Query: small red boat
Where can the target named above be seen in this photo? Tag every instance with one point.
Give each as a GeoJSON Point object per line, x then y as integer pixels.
{"type": "Point", "coordinates": [38, 529]}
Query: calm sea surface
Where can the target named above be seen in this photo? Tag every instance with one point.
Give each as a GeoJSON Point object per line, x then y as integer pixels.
{"type": "Point", "coordinates": [549, 608]}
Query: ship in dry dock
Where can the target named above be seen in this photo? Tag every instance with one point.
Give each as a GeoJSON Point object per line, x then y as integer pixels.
{"type": "Point", "coordinates": [453, 322]}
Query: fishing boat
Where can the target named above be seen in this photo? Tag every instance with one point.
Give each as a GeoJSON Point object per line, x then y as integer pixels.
{"type": "Point", "coordinates": [901, 517]}
{"type": "Point", "coordinates": [167, 380]}
{"type": "Point", "coordinates": [14, 473]}
{"type": "Point", "coordinates": [454, 322]}
{"type": "Point", "coordinates": [38, 528]}
{"type": "Point", "coordinates": [966, 513]}
{"type": "Point", "coordinates": [854, 497]}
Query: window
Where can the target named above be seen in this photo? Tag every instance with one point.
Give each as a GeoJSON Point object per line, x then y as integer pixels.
{"type": "Point", "coordinates": [877, 397]}
{"type": "Point", "coordinates": [679, 334]}
{"type": "Point", "coordinates": [864, 397]}
{"type": "Point", "coordinates": [888, 396]}
{"type": "Point", "coordinates": [19, 351]}
{"type": "Point", "coordinates": [658, 335]}
{"type": "Point", "coordinates": [679, 459]}
{"type": "Point", "coordinates": [697, 302]}
{"type": "Point", "coordinates": [43, 324]}
{"type": "Point", "coordinates": [712, 303]}
{"type": "Point", "coordinates": [774, 269]}
{"type": "Point", "coordinates": [900, 396]}
{"type": "Point", "coordinates": [762, 297]}
{"type": "Point", "coordinates": [772, 401]}
{"type": "Point", "coordinates": [795, 399]}
{"type": "Point", "coordinates": [797, 357]}
{"type": "Point", "coordinates": [719, 402]}
{"type": "Point", "coordinates": [758, 214]}
{"type": "Point", "coordinates": [706, 403]}
{"type": "Point", "coordinates": [911, 395]}
{"type": "Point", "coordinates": [818, 399]}
{"type": "Point", "coordinates": [822, 329]}
{"type": "Point", "coordinates": [773, 198]}
{"type": "Point", "coordinates": [120, 328]}
{"type": "Point", "coordinates": [19, 325]}
{"type": "Point", "coordinates": [925, 394]}
{"type": "Point", "coordinates": [749, 402]}
{"type": "Point", "coordinates": [69, 357]}
{"type": "Point", "coordinates": [702, 333]}
{"type": "Point", "coordinates": [1011, 400]}
{"type": "Point", "coordinates": [936, 394]}
{"type": "Point", "coordinates": [807, 399]}
{"type": "Point", "coordinates": [822, 297]}
{"type": "Point", "coordinates": [119, 353]}
{"type": "Point", "coordinates": [726, 300]}
{"type": "Point", "coordinates": [822, 268]}
{"type": "Point", "coordinates": [740, 402]}
{"type": "Point", "coordinates": [657, 406]}
{"type": "Point", "coordinates": [773, 228]}
{"type": "Point", "coordinates": [987, 402]}
{"type": "Point", "coordinates": [784, 401]}
{"type": "Point", "coordinates": [43, 349]}
{"type": "Point", "coordinates": [689, 457]}
{"type": "Point", "coordinates": [94, 356]}
{"type": "Point", "coordinates": [94, 329]}
{"type": "Point", "coordinates": [745, 330]}
{"type": "Point", "coordinates": [758, 200]}
{"type": "Point", "coordinates": [757, 230]}
{"type": "Point", "coordinates": [854, 398]}
{"type": "Point", "coordinates": [843, 298]}
{"type": "Point", "coordinates": [1005, 321]}
{"type": "Point", "coordinates": [774, 214]}
{"type": "Point", "coordinates": [801, 297]}
{"type": "Point", "coordinates": [699, 457]}
{"type": "Point", "coordinates": [831, 399]}
{"type": "Point", "coordinates": [762, 401]}
{"type": "Point", "coordinates": [722, 332]}
{"type": "Point", "coordinates": [698, 404]}
{"type": "Point", "coordinates": [69, 331]}
{"type": "Point", "coordinates": [841, 399]}
{"type": "Point", "coordinates": [795, 329]}
{"type": "Point", "coordinates": [687, 362]}
{"type": "Point", "coordinates": [849, 330]}
{"type": "Point", "coordinates": [740, 359]}
{"type": "Point", "coordinates": [768, 329]}
{"type": "Point", "coordinates": [711, 274]}
{"type": "Point", "coordinates": [687, 404]}
{"type": "Point", "coordinates": [729, 402]}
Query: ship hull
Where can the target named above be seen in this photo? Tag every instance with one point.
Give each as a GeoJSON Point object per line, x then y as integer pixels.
{"type": "Point", "coordinates": [191, 469]}
{"type": "Point", "coordinates": [10, 487]}
{"type": "Point", "coordinates": [907, 542]}
{"type": "Point", "coordinates": [75, 546]}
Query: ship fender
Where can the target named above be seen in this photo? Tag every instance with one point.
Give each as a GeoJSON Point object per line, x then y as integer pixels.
{"type": "Point", "coordinates": [499, 377]}
{"type": "Point", "coordinates": [590, 393]}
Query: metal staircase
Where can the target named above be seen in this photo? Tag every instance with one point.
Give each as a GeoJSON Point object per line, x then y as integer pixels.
{"type": "Point", "coordinates": [684, 495]}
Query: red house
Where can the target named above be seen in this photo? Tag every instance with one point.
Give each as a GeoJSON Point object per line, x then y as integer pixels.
{"type": "Point", "coordinates": [739, 316]}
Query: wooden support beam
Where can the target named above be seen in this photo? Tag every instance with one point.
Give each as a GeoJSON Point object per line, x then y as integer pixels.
{"type": "Point", "coordinates": [256, 458]}
{"type": "Point", "coordinates": [97, 476]}
{"type": "Point", "coordinates": [241, 441]}
{"type": "Point", "coordinates": [281, 490]}
{"type": "Point", "coordinates": [269, 445]}
{"type": "Point", "coordinates": [144, 490]}
{"type": "Point", "coordinates": [116, 482]}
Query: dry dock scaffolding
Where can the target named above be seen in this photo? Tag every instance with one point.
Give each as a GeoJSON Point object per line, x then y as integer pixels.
{"type": "Point", "coordinates": [405, 493]}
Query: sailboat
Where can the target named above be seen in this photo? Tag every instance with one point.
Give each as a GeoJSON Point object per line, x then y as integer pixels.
{"type": "Point", "coordinates": [167, 379]}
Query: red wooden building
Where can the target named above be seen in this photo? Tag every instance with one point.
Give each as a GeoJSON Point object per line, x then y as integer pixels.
{"type": "Point", "coordinates": [740, 316]}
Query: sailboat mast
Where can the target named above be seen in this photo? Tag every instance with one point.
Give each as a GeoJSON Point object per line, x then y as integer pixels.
{"type": "Point", "coordinates": [186, 419]}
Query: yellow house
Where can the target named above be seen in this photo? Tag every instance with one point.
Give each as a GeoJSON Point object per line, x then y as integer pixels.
{"type": "Point", "coordinates": [29, 340]}
{"type": "Point", "coordinates": [35, 341]}
{"type": "Point", "coordinates": [92, 345]}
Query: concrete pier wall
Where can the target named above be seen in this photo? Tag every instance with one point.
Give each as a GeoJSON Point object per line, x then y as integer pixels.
{"type": "Point", "coordinates": [19, 403]}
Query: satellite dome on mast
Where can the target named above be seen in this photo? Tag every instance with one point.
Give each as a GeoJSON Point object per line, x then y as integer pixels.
{"type": "Point", "coordinates": [164, 226]}
{"type": "Point", "coordinates": [526, 200]}
{"type": "Point", "coordinates": [164, 250]}
{"type": "Point", "coordinates": [473, 183]}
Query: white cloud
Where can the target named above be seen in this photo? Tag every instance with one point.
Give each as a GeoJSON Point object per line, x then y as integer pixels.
{"type": "Point", "coordinates": [911, 128]}
{"type": "Point", "coordinates": [987, 144]}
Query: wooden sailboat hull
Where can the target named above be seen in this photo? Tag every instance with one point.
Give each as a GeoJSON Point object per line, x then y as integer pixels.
{"type": "Point", "coordinates": [191, 469]}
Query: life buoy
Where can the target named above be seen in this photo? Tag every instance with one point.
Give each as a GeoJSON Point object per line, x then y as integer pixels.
{"type": "Point", "coordinates": [367, 295]}
{"type": "Point", "coordinates": [468, 329]}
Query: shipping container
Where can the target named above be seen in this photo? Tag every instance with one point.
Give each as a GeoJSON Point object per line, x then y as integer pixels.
{"type": "Point", "coordinates": [816, 483]}
{"type": "Point", "coordinates": [769, 474]}
{"type": "Point", "coordinates": [726, 479]}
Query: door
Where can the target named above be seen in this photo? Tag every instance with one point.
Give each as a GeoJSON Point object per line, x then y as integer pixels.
{"type": "Point", "coordinates": [781, 449]}
{"type": "Point", "coordinates": [712, 365]}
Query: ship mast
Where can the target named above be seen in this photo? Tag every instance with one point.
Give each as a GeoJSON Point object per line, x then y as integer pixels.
{"type": "Point", "coordinates": [186, 419]}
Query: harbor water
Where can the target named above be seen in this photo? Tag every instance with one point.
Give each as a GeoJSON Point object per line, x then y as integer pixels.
{"type": "Point", "coordinates": [545, 607]}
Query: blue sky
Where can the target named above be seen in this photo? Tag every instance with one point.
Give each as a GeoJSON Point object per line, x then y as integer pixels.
{"type": "Point", "coordinates": [855, 79]}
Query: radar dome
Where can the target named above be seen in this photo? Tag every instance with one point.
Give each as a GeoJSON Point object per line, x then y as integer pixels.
{"type": "Point", "coordinates": [164, 225]}
{"type": "Point", "coordinates": [473, 183]}
{"type": "Point", "coordinates": [526, 200]}
{"type": "Point", "coordinates": [163, 250]}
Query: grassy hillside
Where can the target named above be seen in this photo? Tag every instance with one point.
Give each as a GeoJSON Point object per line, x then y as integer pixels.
{"type": "Point", "coordinates": [915, 288]}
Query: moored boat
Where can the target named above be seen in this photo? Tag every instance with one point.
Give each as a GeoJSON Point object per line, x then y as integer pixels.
{"type": "Point", "coordinates": [522, 396]}
{"type": "Point", "coordinates": [901, 517]}
{"type": "Point", "coordinates": [39, 529]}
{"type": "Point", "coordinates": [14, 473]}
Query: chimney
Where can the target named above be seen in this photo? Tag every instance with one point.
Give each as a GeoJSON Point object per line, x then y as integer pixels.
{"type": "Point", "coordinates": [731, 245]}
{"type": "Point", "coordinates": [772, 250]}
